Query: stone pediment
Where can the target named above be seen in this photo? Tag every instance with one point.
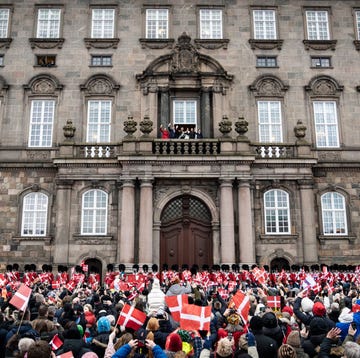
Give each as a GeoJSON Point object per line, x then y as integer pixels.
{"type": "Point", "coordinates": [183, 61]}
{"type": "Point", "coordinates": [324, 86]}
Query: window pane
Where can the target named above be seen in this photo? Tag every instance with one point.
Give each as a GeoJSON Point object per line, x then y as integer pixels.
{"type": "Point", "coordinates": [4, 22]}
{"type": "Point", "coordinates": [270, 123]}
{"type": "Point", "coordinates": [184, 112]}
{"type": "Point", "coordinates": [34, 216]}
{"type": "Point", "coordinates": [357, 14]}
{"type": "Point", "coordinates": [48, 23]}
{"type": "Point", "coordinates": [264, 24]}
{"type": "Point", "coordinates": [157, 23]}
{"type": "Point", "coordinates": [210, 24]}
{"type": "Point", "coordinates": [99, 121]}
{"type": "Point", "coordinates": [277, 217]}
{"type": "Point", "coordinates": [334, 214]}
{"type": "Point", "coordinates": [103, 23]}
{"type": "Point", "coordinates": [317, 25]}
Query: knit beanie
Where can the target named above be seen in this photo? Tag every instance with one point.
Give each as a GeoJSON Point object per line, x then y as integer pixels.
{"type": "Point", "coordinates": [256, 323]}
{"type": "Point", "coordinates": [103, 325]}
{"type": "Point", "coordinates": [286, 351]}
{"type": "Point", "coordinates": [173, 342]}
{"type": "Point", "coordinates": [269, 320]}
{"type": "Point", "coordinates": [224, 348]}
{"type": "Point", "coordinates": [293, 339]}
{"type": "Point", "coordinates": [288, 309]}
{"type": "Point", "coordinates": [319, 309]}
{"type": "Point", "coordinates": [318, 326]}
{"type": "Point", "coordinates": [307, 304]}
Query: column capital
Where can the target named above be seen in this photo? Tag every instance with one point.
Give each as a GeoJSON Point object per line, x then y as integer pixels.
{"type": "Point", "coordinates": [126, 183]}
{"type": "Point", "coordinates": [305, 183]}
{"type": "Point", "coordinates": [242, 183]}
{"type": "Point", "coordinates": [64, 183]}
{"type": "Point", "coordinates": [224, 182]}
{"type": "Point", "coordinates": [146, 182]}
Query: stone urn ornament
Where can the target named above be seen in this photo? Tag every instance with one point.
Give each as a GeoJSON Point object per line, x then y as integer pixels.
{"type": "Point", "coordinates": [300, 131]}
{"type": "Point", "coordinates": [130, 127]}
{"type": "Point", "coordinates": [146, 126]}
{"type": "Point", "coordinates": [241, 127]}
{"type": "Point", "coordinates": [69, 130]}
{"type": "Point", "coordinates": [225, 126]}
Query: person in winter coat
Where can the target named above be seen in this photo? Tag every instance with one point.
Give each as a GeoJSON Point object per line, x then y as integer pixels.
{"type": "Point", "coordinates": [345, 319]}
{"type": "Point", "coordinates": [100, 340]}
{"type": "Point", "coordinates": [73, 342]}
{"type": "Point", "coordinates": [176, 289]}
{"type": "Point", "coordinates": [271, 328]}
{"type": "Point", "coordinates": [159, 336]}
{"type": "Point", "coordinates": [126, 349]}
{"type": "Point", "coordinates": [293, 339]}
{"type": "Point", "coordinates": [156, 298]}
{"type": "Point", "coordinates": [327, 344]}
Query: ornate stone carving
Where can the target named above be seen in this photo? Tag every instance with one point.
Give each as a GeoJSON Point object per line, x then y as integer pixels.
{"type": "Point", "coordinates": [211, 44]}
{"type": "Point", "coordinates": [69, 130]}
{"type": "Point", "coordinates": [320, 45]}
{"type": "Point", "coordinates": [225, 126]}
{"type": "Point", "coordinates": [300, 131]}
{"type": "Point", "coordinates": [324, 86]}
{"type": "Point", "coordinates": [38, 154]}
{"type": "Point", "coordinates": [329, 156]}
{"type": "Point", "coordinates": [156, 44]}
{"type": "Point", "coordinates": [130, 127]}
{"type": "Point", "coordinates": [101, 43]}
{"type": "Point", "coordinates": [100, 84]}
{"type": "Point", "coordinates": [269, 86]}
{"type": "Point", "coordinates": [241, 127]}
{"type": "Point", "coordinates": [146, 126]}
{"type": "Point", "coordinates": [43, 84]}
{"type": "Point", "coordinates": [184, 57]}
{"type": "Point", "coordinates": [265, 44]}
{"type": "Point", "coordinates": [46, 43]}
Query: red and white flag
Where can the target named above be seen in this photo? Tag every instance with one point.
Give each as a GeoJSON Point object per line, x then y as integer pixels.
{"type": "Point", "coordinates": [21, 298]}
{"type": "Point", "coordinates": [55, 285]}
{"type": "Point", "coordinates": [131, 317]}
{"type": "Point", "coordinates": [175, 303]}
{"type": "Point", "coordinates": [274, 302]}
{"type": "Point", "coordinates": [241, 303]}
{"type": "Point", "coordinates": [68, 354]}
{"type": "Point", "coordinates": [56, 343]}
{"type": "Point", "coordinates": [193, 317]}
{"type": "Point", "coordinates": [260, 275]}
{"type": "Point", "coordinates": [308, 282]}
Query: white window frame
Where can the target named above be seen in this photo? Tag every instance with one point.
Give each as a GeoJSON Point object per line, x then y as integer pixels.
{"type": "Point", "coordinates": [105, 19]}
{"type": "Point", "coordinates": [275, 211]}
{"type": "Point", "coordinates": [211, 24]}
{"type": "Point", "coordinates": [264, 27]}
{"type": "Point", "coordinates": [94, 212]}
{"type": "Point", "coordinates": [48, 23]}
{"type": "Point", "coordinates": [158, 30]}
{"type": "Point", "coordinates": [270, 125]}
{"type": "Point", "coordinates": [357, 24]}
{"type": "Point", "coordinates": [316, 27]}
{"type": "Point", "coordinates": [41, 123]}
{"type": "Point", "coordinates": [185, 111]}
{"type": "Point", "coordinates": [326, 124]}
{"type": "Point", "coordinates": [334, 218]}
{"type": "Point", "coordinates": [34, 214]}
{"type": "Point", "coordinates": [4, 22]}
{"type": "Point", "coordinates": [99, 121]}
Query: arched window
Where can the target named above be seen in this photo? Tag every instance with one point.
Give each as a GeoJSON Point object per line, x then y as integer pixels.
{"type": "Point", "coordinates": [94, 213]}
{"type": "Point", "coordinates": [333, 214]}
{"type": "Point", "coordinates": [277, 213]}
{"type": "Point", "coordinates": [34, 214]}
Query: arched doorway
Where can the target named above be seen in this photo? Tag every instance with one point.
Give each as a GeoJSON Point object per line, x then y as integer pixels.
{"type": "Point", "coordinates": [186, 234]}
{"type": "Point", "coordinates": [278, 264]}
{"type": "Point", "coordinates": [94, 265]}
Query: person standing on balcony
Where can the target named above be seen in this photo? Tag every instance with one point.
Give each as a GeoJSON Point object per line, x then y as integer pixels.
{"type": "Point", "coordinates": [171, 131]}
{"type": "Point", "coordinates": [198, 134]}
{"type": "Point", "coordinates": [165, 134]}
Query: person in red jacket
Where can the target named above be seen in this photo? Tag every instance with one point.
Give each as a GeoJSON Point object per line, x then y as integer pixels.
{"type": "Point", "coordinates": [165, 134]}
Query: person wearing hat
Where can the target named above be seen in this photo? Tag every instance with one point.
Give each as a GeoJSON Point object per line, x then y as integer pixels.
{"type": "Point", "coordinates": [286, 351]}
{"type": "Point", "coordinates": [155, 298]}
{"type": "Point", "coordinates": [294, 340]}
{"type": "Point", "coordinates": [126, 349]}
{"type": "Point", "coordinates": [318, 329]}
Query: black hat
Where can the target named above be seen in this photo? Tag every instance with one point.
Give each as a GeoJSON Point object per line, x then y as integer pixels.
{"type": "Point", "coordinates": [121, 267]}
{"type": "Point", "coordinates": [78, 269]}
{"type": "Point", "coordinates": [27, 267]}
{"type": "Point", "coordinates": [9, 267]}
{"type": "Point", "coordinates": [145, 268]}
{"type": "Point", "coordinates": [32, 267]}
{"type": "Point", "coordinates": [245, 267]}
{"type": "Point", "coordinates": [154, 268]}
{"type": "Point", "coordinates": [194, 270]}
{"type": "Point", "coordinates": [60, 268]}
{"type": "Point", "coordinates": [205, 267]}
{"type": "Point", "coordinates": [110, 267]}
{"type": "Point", "coordinates": [49, 268]}
{"type": "Point", "coordinates": [175, 267]}
{"type": "Point", "coordinates": [136, 267]}
{"type": "Point", "coordinates": [15, 267]}
{"type": "Point", "coordinates": [44, 267]}
{"type": "Point", "coordinates": [184, 266]}
{"type": "Point", "coordinates": [165, 267]}
{"type": "Point", "coordinates": [256, 323]}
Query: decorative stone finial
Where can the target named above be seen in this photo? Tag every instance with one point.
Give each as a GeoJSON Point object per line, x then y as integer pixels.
{"type": "Point", "coordinates": [241, 127]}
{"type": "Point", "coordinates": [130, 126]}
{"type": "Point", "coordinates": [300, 132]}
{"type": "Point", "coordinates": [225, 126]}
{"type": "Point", "coordinates": [69, 130]}
{"type": "Point", "coordinates": [146, 126]}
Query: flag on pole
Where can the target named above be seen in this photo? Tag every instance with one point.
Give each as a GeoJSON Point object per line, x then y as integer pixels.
{"type": "Point", "coordinates": [56, 343]}
{"type": "Point", "coordinates": [175, 303]}
{"type": "Point", "coordinates": [193, 317]}
{"type": "Point", "coordinates": [274, 302]}
{"type": "Point", "coordinates": [21, 297]}
{"type": "Point", "coordinates": [308, 282]}
{"type": "Point", "coordinates": [241, 303]}
{"type": "Point", "coordinates": [131, 317]}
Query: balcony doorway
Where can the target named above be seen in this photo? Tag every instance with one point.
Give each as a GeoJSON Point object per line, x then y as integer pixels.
{"type": "Point", "coordinates": [186, 233]}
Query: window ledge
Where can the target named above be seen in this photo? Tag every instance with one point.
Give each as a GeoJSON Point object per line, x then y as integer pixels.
{"type": "Point", "coordinates": [267, 67]}
{"type": "Point", "coordinates": [156, 43]}
{"type": "Point", "coordinates": [108, 66]}
{"type": "Point", "coordinates": [357, 44]}
{"type": "Point", "coordinates": [212, 44]}
{"type": "Point", "coordinates": [321, 67]}
{"type": "Point", "coordinates": [325, 238]}
{"type": "Point", "coordinates": [46, 239]}
{"type": "Point", "coordinates": [46, 43]}
{"type": "Point", "coordinates": [5, 42]}
{"type": "Point", "coordinates": [265, 44]}
{"type": "Point", "coordinates": [48, 66]}
{"type": "Point", "coordinates": [320, 44]}
{"type": "Point", "coordinates": [279, 238]}
{"type": "Point", "coordinates": [101, 43]}
{"type": "Point", "coordinates": [92, 239]}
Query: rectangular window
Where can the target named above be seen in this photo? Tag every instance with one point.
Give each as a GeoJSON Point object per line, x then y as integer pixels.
{"type": "Point", "coordinates": [211, 24]}
{"type": "Point", "coordinates": [185, 112]}
{"type": "Point", "coordinates": [270, 122]}
{"type": "Point", "coordinates": [326, 124]}
{"type": "Point", "coordinates": [264, 24]}
{"type": "Point", "coordinates": [320, 62]}
{"type": "Point", "coordinates": [266, 61]}
{"type": "Point", "coordinates": [2, 60]}
{"type": "Point", "coordinates": [102, 25]}
{"type": "Point", "coordinates": [4, 23]}
{"type": "Point", "coordinates": [101, 60]}
{"type": "Point", "coordinates": [317, 25]}
{"type": "Point", "coordinates": [99, 121]}
{"type": "Point", "coordinates": [46, 60]}
{"type": "Point", "coordinates": [48, 23]}
{"type": "Point", "coordinates": [157, 23]}
{"type": "Point", "coordinates": [357, 22]}
{"type": "Point", "coordinates": [34, 215]}
{"type": "Point", "coordinates": [41, 123]}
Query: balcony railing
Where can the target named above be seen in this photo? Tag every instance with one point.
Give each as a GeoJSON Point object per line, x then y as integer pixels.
{"type": "Point", "coordinates": [273, 150]}
{"type": "Point", "coordinates": [186, 147]}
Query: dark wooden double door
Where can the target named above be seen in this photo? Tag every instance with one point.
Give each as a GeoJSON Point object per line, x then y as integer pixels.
{"type": "Point", "coordinates": [187, 237]}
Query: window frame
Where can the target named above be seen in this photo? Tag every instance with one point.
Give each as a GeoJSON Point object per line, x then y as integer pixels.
{"type": "Point", "coordinates": [333, 211]}
{"type": "Point", "coordinates": [95, 213]}
{"type": "Point", "coordinates": [114, 27]}
{"type": "Point", "coordinates": [8, 25]}
{"type": "Point", "coordinates": [157, 9]}
{"type": "Point", "coordinates": [317, 133]}
{"type": "Point", "coordinates": [211, 9]}
{"type": "Point", "coordinates": [2, 60]}
{"type": "Point", "coordinates": [276, 210]}
{"type": "Point", "coordinates": [253, 23]}
{"type": "Point", "coordinates": [312, 58]}
{"type": "Point", "coordinates": [47, 57]}
{"type": "Point", "coordinates": [34, 215]}
{"type": "Point", "coordinates": [266, 60]}
{"type": "Point", "coordinates": [270, 123]}
{"type": "Point", "coordinates": [99, 124]}
{"type": "Point", "coordinates": [42, 123]}
{"type": "Point", "coordinates": [185, 99]}
{"type": "Point", "coordinates": [102, 58]}
{"type": "Point", "coordinates": [37, 21]}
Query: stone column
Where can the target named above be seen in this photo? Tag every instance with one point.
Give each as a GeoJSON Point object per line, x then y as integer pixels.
{"type": "Point", "coordinates": [227, 222]}
{"type": "Point", "coordinates": [308, 222]}
{"type": "Point", "coordinates": [205, 114]}
{"type": "Point", "coordinates": [156, 242]}
{"type": "Point", "coordinates": [125, 253]}
{"type": "Point", "coordinates": [246, 230]}
{"type": "Point", "coordinates": [146, 223]}
{"type": "Point", "coordinates": [216, 242]}
{"type": "Point", "coordinates": [164, 106]}
{"type": "Point", "coordinates": [63, 215]}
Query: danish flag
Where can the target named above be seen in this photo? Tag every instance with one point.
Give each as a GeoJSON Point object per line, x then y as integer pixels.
{"type": "Point", "coordinates": [56, 343]}
{"type": "Point", "coordinates": [193, 317]}
{"type": "Point", "coordinates": [21, 298]}
{"type": "Point", "coordinates": [3, 280]}
{"type": "Point", "coordinates": [131, 317]}
{"type": "Point", "coordinates": [260, 275]}
{"type": "Point", "coordinates": [175, 303]}
{"type": "Point", "coordinates": [68, 354]}
{"type": "Point", "coordinates": [242, 305]}
{"type": "Point", "coordinates": [274, 302]}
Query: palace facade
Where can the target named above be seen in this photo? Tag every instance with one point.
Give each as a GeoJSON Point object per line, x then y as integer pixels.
{"type": "Point", "coordinates": [273, 87]}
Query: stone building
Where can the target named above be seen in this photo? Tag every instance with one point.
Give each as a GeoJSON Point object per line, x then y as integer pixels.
{"type": "Point", "coordinates": [273, 86]}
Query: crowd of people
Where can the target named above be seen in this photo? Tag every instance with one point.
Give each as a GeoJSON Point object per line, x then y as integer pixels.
{"type": "Point", "coordinates": [291, 313]}
{"type": "Point", "coordinates": [180, 132]}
